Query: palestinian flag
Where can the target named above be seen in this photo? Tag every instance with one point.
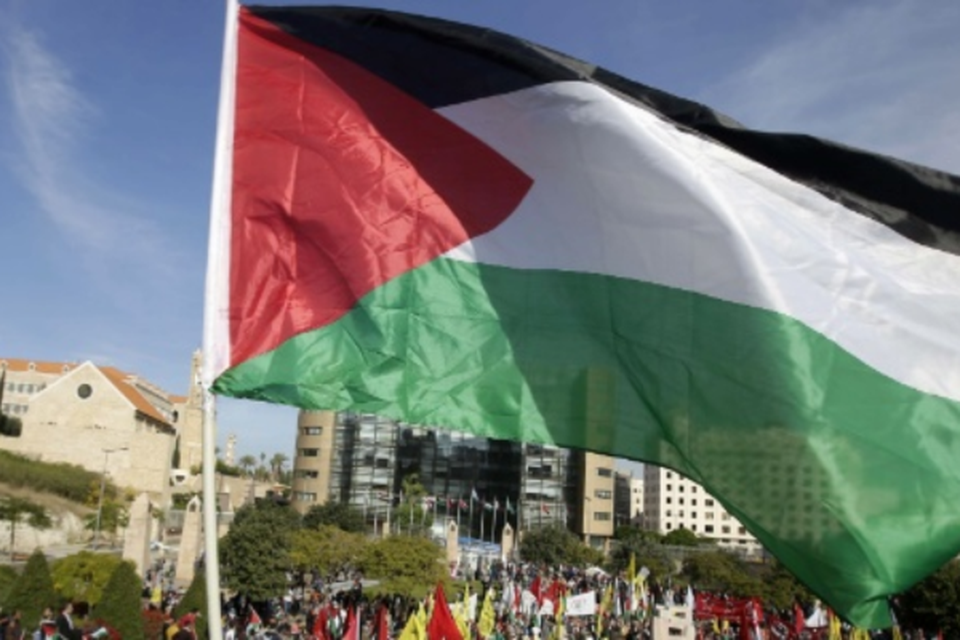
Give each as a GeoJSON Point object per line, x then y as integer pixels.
{"type": "Point", "coordinates": [450, 226]}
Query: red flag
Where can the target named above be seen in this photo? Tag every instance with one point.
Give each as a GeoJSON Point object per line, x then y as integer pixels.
{"type": "Point", "coordinates": [254, 617]}
{"type": "Point", "coordinates": [352, 630]}
{"type": "Point", "coordinates": [536, 591]}
{"type": "Point", "coordinates": [442, 626]}
{"type": "Point", "coordinates": [320, 624]}
{"type": "Point", "coordinates": [381, 629]}
{"type": "Point", "coordinates": [799, 620]}
{"type": "Point", "coordinates": [544, 508]}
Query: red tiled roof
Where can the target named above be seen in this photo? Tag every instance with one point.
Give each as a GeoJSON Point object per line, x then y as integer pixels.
{"type": "Point", "coordinates": [117, 378]}
{"type": "Point", "coordinates": [130, 392]}
{"type": "Point", "coordinates": [20, 365]}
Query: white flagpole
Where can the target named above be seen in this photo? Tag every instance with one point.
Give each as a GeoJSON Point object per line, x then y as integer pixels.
{"type": "Point", "coordinates": [220, 200]}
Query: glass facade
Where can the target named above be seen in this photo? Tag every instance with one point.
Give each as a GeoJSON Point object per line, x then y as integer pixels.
{"type": "Point", "coordinates": [531, 486]}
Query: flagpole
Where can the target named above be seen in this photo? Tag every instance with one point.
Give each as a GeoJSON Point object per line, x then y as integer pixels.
{"type": "Point", "coordinates": [470, 514]}
{"type": "Point", "coordinates": [220, 199]}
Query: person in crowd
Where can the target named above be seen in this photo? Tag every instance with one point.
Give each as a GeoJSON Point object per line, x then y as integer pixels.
{"type": "Point", "coordinates": [66, 629]}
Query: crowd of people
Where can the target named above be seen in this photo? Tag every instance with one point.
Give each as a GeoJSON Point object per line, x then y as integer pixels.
{"type": "Point", "coordinates": [507, 602]}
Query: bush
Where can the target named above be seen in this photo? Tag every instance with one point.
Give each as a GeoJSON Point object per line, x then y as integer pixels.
{"type": "Point", "coordinates": [120, 604]}
{"type": "Point", "coordinates": [32, 591]}
{"type": "Point", "coordinates": [69, 481]}
{"type": "Point", "coordinates": [82, 577]}
{"type": "Point", "coordinates": [8, 576]}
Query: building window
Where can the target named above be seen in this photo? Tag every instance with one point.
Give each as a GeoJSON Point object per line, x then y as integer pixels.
{"type": "Point", "coordinates": [669, 525]}
{"type": "Point", "coordinates": [603, 494]}
{"type": "Point", "coordinates": [708, 528]}
{"type": "Point", "coordinates": [742, 531]}
{"type": "Point", "coordinates": [602, 516]}
{"type": "Point", "coordinates": [307, 473]}
{"type": "Point", "coordinates": [309, 453]}
{"type": "Point", "coordinates": [305, 496]}
{"type": "Point", "coordinates": [84, 391]}
{"type": "Point", "coordinates": [708, 502]}
{"type": "Point", "coordinates": [693, 514]}
{"type": "Point", "coordinates": [708, 515]}
{"type": "Point", "coordinates": [604, 472]}
{"type": "Point", "coordinates": [669, 474]}
{"type": "Point", "coordinates": [694, 502]}
{"type": "Point", "coordinates": [693, 489]}
{"type": "Point", "coordinates": [724, 529]}
{"type": "Point", "coordinates": [312, 431]}
{"type": "Point", "coordinates": [680, 500]}
{"type": "Point", "coordinates": [693, 527]}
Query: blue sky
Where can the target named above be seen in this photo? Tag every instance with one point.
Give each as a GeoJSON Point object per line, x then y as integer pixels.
{"type": "Point", "coordinates": [106, 144]}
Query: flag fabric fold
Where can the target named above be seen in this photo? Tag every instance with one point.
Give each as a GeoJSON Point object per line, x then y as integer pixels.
{"type": "Point", "coordinates": [522, 245]}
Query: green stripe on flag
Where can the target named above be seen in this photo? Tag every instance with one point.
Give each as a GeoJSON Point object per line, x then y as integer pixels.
{"type": "Point", "coordinates": [832, 465]}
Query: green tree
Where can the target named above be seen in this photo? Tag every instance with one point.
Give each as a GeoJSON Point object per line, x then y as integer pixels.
{"type": "Point", "coordinates": [781, 588]}
{"type": "Point", "coordinates": [681, 538]}
{"type": "Point", "coordinates": [555, 545]}
{"type": "Point", "coordinates": [334, 514]}
{"type": "Point", "coordinates": [8, 576]}
{"type": "Point", "coordinates": [933, 604]}
{"type": "Point", "coordinates": [82, 576]}
{"type": "Point", "coordinates": [195, 599]}
{"type": "Point", "coordinates": [407, 565]}
{"type": "Point", "coordinates": [120, 607]}
{"type": "Point", "coordinates": [113, 515]}
{"type": "Point", "coordinates": [277, 462]}
{"type": "Point", "coordinates": [326, 549]}
{"type": "Point", "coordinates": [33, 590]}
{"type": "Point", "coordinates": [721, 571]}
{"type": "Point", "coordinates": [255, 553]}
{"type": "Point", "coordinates": [247, 463]}
{"type": "Point", "coordinates": [646, 550]}
{"type": "Point", "coordinates": [10, 426]}
{"type": "Point", "coordinates": [21, 510]}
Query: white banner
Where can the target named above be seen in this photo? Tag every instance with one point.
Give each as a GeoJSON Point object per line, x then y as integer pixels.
{"type": "Point", "coordinates": [584, 604]}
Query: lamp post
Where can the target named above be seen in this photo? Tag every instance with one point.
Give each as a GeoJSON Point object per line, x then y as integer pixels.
{"type": "Point", "coordinates": [103, 486]}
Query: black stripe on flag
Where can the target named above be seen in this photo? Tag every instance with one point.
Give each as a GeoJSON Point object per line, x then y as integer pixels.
{"type": "Point", "coordinates": [442, 63]}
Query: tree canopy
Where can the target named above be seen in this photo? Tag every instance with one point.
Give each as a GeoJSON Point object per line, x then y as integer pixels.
{"type": "Point", "coordinates": [407, 565]}
{"type": "Point", "coordinates": [255, 553]}
{"type": "Point", "coordinates": [933, 604]}
{"type": "Point", "coordinates": [327, 549]}
{"type": "Point", "coordinates": [555, 545]}
{"type": "Point", "coordinates": [21, 510]}
{"type": "Point", "coordinates": [120, 606]}
{"type": "Point", "coordinates": [81, 577]}
{"type": "Point", "coordinates": [33, 590]}
{"type": "Point", "coordinates": [334, 514]}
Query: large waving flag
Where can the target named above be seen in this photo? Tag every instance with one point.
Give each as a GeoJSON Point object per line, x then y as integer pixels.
{"type": "Point", "coordinates": [451, 226]}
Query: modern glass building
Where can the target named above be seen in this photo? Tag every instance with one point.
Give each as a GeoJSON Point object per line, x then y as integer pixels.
{"type": "Point", "coordinates": [482, 483]}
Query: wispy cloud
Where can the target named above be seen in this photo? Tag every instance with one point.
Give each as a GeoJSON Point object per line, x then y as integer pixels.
{"type": "Point", "coordinates": [52, 118]}
{"type": "Point", "coordinates": [881, 75]}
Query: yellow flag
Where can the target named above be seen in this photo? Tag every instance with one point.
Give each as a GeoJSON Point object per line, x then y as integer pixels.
{"type": "Point", "coordinates": [416, 627]}
{"type": "Point", "coordinates": [488, 618]}
{"type": "Point", "coordinates": [834, 632]}
{"type": "Point", "coordinates": [632, 569]}
{"type": "Point", "coordinates": [558, 618]}
{"type": "Point", "coordinates": [605, 603]}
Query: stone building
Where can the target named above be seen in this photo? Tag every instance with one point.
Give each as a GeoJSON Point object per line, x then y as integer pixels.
{"type": "Point", "coordinates": [101, 418]}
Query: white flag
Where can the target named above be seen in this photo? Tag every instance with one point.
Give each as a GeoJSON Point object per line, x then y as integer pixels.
{"type": "Point", "coordinates": [583, 604]}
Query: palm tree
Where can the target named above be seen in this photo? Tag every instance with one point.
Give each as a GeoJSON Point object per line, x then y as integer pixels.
{"type": "Point", "coordinates": [247, 463]}
{"type": "Point", "coordinates": [277, 463]}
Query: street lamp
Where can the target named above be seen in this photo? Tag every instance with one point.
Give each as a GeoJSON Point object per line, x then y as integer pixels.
{"type": "Point", "coordinates": [103, 486]}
